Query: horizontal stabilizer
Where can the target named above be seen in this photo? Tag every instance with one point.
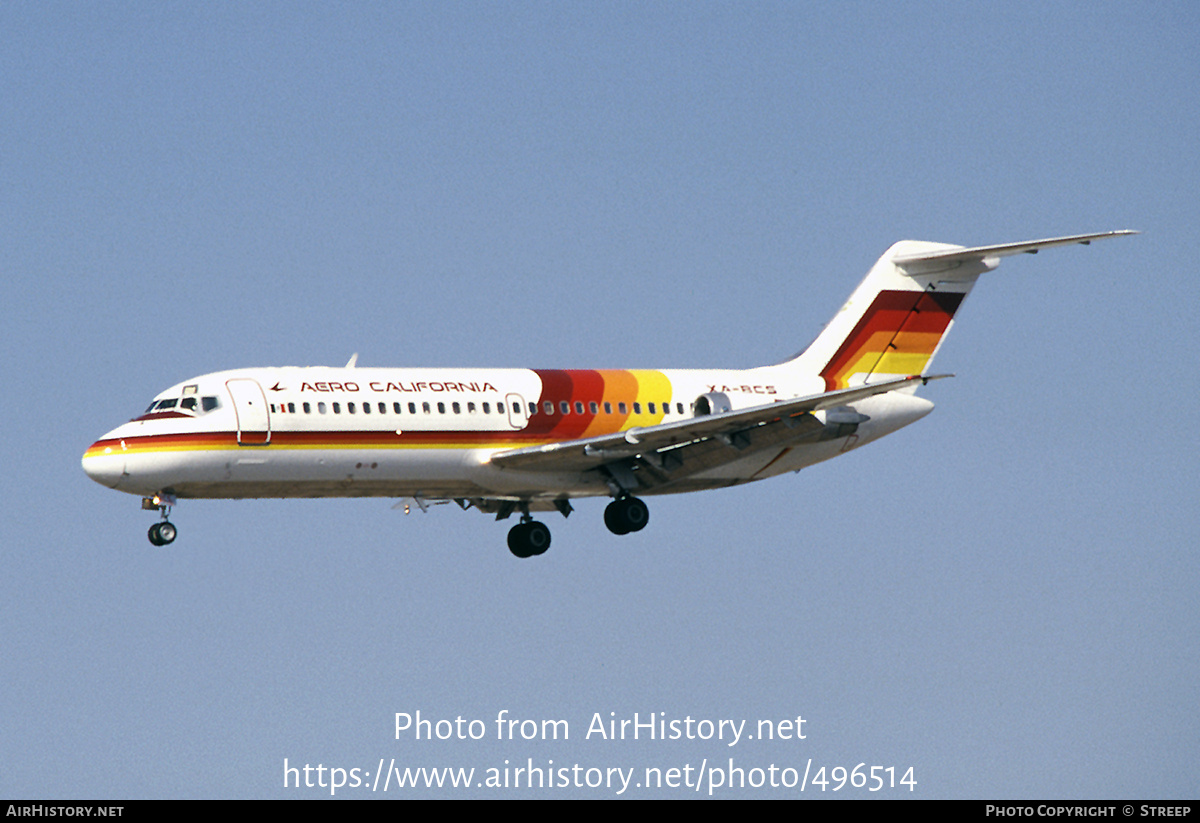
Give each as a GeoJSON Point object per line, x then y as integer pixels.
{"type": "Point", "coordinates": [925, 262]}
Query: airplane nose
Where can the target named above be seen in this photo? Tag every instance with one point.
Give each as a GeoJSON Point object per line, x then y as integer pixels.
{"type": "Point", "coordinates": [105, 463]}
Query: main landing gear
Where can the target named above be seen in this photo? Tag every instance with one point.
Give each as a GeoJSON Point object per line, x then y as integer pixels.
{"type": "Point", "coordinates": [163, 532]}
{"type": "Point", "coordinates": [626, 514]}
{"type": "Point", "coordinates": [528, 538]}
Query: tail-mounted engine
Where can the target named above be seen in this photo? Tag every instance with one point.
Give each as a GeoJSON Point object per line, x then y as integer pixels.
{"type": "Point", "coordinates": [841, 421]}
{"type": "Point", "coordinates": [714, 402]}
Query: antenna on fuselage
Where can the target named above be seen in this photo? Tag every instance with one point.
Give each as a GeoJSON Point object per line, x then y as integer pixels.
{"type": "Point", "coordinates": [353, 361]}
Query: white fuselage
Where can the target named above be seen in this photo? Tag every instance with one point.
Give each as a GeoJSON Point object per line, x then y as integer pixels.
{"type": "Point", "coordinates": [355, 432]}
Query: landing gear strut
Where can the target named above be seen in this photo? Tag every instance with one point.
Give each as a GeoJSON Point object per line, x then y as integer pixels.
{"type": "Point", "coordinates": [528, 538]}
{"type": "Point", "coordinates": [626, 514]}
{"type": "Point", "coordinates": [163, 532]}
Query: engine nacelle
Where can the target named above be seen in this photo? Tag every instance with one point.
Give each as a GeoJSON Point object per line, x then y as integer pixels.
{"type": "Point", "coordinates": [713, 402]}
{"type": "Point", "coordinates": [840, 421]}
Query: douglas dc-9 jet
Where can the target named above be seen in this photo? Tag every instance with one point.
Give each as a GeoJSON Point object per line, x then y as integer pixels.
{"type": "Point", "coordinates": [507, 441]}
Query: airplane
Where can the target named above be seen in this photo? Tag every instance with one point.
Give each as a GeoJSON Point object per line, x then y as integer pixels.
{"type": "Point", "coordinates": [533, 440]}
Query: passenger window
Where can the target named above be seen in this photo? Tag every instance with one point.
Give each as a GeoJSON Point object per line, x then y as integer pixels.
{"type": "Point", "coordinates": [412, 408]}
{"type": "Point", "coordinates": [291, 408]}
{"type": "Point", "coordinates": [307, 408]}
{"type": "Point", "coordinates": [679, 407]}
{"type": "Point", "coordinates": [337, 408]}
{"type": "Point", "coordinates": [383, 408]}
{"type": "Point", "coordinates": [487, 408]}
{"type": "Point", "coordinates": [321, 408]}
{"type": "Point", "coordinates": [425, 407]}
{"type": "Point", "coordinates": [549, 407]}
{"type": "Point", "coordinates": [457, 408]}
{"type": "Point", "coordinates": [470, 408]}
{"type": "Point", "coordinates": [396, 407]}
{"type": "Point", "coordinates": [350, 408]}
{"type": "Point", "coordinates": [564, 407]}
{"type": "Point", "coordinates": [607, 407]}
{"type": "Point", "coordinates": [499, 408]}
{"type": "Point", "coordinates": [592, 407]}
{"type": "Point", "coordinates": [441, 408]}
{"type": "Point", "coordinates": [637, 408]}
{"type": "Point", "coordinates": [651, 408]}
{"type": "Point", "coordinates": [622, 407]}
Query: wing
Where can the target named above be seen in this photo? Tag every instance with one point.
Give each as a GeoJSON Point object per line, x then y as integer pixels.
{"type": "Point", "coordinates": [697, 443]}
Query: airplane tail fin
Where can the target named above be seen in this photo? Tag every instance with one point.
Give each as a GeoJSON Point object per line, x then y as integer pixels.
{"type": "Point", "coordinates": [895, 321]}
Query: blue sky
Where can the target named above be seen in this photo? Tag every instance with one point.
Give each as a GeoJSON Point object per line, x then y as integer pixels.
{"type": "Point", "coordinates": [1002, 596]}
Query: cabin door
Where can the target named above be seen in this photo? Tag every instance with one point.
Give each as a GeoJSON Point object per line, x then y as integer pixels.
{"type": "Point", "coordinates": [516, 410]}
{"type": "Point", "coordinates": [250, 406]}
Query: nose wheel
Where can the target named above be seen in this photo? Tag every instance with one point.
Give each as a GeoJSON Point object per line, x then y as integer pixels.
{"type": "Point", "coordinates": [161, 534]}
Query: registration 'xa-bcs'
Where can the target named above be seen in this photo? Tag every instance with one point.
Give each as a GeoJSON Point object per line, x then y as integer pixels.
{"type": "Point", "coordinates": [507, 441]}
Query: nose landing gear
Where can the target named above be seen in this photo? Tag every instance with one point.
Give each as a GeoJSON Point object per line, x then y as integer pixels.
{"type": "Point", "coordinates": [163, 532]}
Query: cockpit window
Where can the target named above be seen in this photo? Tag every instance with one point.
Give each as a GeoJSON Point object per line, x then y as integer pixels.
{"type": "Point", "coordinates": [190, 404]}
